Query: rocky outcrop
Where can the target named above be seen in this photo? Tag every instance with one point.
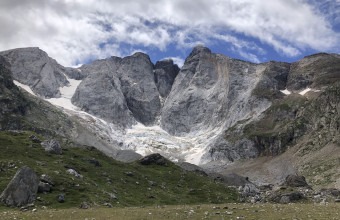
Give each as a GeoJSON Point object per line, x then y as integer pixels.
{"type": "Point", "coordinates": [295, 181]}
{"type": "Point", "coordinates": [139, 88]}
{"type": "Point", "coordinates": [120, 90]}
{"type": "Point", "coordinates": [285, 198]}
{"type": "Point", "coordinates": [314, 71]}
{"type": "Point", "coordinates": [33, 67]}
{"type": "Point", "coordinates": [22, 189]}
{"type": "Point", "coordinates": [11, 100]}
{"type": "Point", "coordinates": [165, 72]}
{"type": "Point", "coordinates": [153, 159]}
{"type": "Point", "coordinates": [52, 146]}
{"type": "Point", "coordinates": [100, 93]}
{"type": "Point", "coordinates": [192, 168]}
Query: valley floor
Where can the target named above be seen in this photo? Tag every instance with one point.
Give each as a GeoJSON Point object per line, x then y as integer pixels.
{"type": "Point", "coordinates": [226, 211]}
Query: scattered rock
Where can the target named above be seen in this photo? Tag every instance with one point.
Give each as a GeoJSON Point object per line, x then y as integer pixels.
{"type": "Point", "coordinates": [85, 205]}
{"type": "Point", "coordinates": [46, 179]}
{"type": "Point", "coordinates": [288, 197]}
{"type": "Point", "coordinates": [44, 187]}
{"type": "Point", "coordinates": [295, 181]}
{"type": "Point", "coordinates": [75, 173]}
{"type": "Point", "coordinates": [129, 173]}
{"type": "Point", "coordinates": [61, 198]}
{"type": "Point", "coordinates": [317, 198]}
{"type": "Point", "coordinates": [113, 196]}
{"type": "Point", "coordinates": [39, 163]}
{"type": "Point", "coordinates": [34, 139]}
{"type": "Point", "coordinates": [93, 161]}
{"type": "Point", "coordinates": [108, 205]}
{"type": "Point", "coordinates": [152, 183]}
{"type": "Point", "coordinates": [155, 159]}
{"type": "Point", "coordinates": [22, 189]}
{"type": "Point", "coordinates": [52, 146]}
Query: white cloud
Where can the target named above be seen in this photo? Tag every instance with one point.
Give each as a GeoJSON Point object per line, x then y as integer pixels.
{"type": "Point", "coordinates": [177, 60]}
{"type": "Point", "coordinates": [74, 31]}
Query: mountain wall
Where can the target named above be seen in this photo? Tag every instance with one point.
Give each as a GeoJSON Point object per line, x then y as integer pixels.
{"type": "Point", "coordinates": [215, 108]}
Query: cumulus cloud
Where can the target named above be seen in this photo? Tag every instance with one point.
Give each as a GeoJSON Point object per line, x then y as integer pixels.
{"type": "Point", "coordinates": [75, 31]}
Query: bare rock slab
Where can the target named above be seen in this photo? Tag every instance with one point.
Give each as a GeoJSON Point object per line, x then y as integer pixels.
{"type": "Point", "coordinates": [22, 189]}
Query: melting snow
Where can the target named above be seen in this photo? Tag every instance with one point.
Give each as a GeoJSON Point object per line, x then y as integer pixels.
{"type": "Point", "coordinates": [66, 95]}
{"type": "Point", "coordinates": [25, 87]}
{"type": "Point", "coordinates": [286, 91]}
{"type": "Point", "coordinates": [304, 91]}
{"type": "Point", "coordinates": [144, 140]}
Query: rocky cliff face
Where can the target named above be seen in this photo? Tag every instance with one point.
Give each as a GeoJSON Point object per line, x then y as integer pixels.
{"type": "Point", "coordinates": [123, 91]}
{"type": "Point", "coordinates": [33, 67]}
{"type": "Point", "coordinates": [214, 108]}
{"type": "Point", "coordinates": [165, 73]}
{"type": "Point", "coordinates": [315, 71]}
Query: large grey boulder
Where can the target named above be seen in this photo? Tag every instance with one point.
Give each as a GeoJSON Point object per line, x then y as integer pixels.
{"type": "Point", "coordinates": [52, 146]}
{"type": "Point", "coordinates": [295, 181]}
{"type": "Point", "coordinates": [33, 67]}
{"type": "Point", "coordinates": [154, 159]}
{"type": "Point", "coordinates": [22, 189]}
{"type": "Point", "coordinates": [165, 72]}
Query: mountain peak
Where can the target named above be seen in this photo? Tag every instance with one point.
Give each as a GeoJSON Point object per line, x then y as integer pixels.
{"type": "Point", "coordinates": [199, 48]}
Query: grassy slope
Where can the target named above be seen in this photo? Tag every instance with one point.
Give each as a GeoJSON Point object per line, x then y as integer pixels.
{"type": "Point", "coordinates": [233, 211]}
{"type": "Point", "coordinates": [173, 185]}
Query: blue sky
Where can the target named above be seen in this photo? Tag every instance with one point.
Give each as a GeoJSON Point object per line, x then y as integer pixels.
{"type": "Point", "coordinates": [75, 31]}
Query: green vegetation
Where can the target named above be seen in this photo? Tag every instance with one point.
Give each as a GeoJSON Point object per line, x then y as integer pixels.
{"type": "Point", "coordinates": [129, 182]}
{"type": "Point", "coordinates": [226, 211]}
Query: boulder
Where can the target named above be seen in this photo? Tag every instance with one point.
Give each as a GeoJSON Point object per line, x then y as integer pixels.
{"type": "Point", "coordinates": [295, 181]}
{"type": "Point", "coordinates": [34, 139]}
{"type": "Point", "coordinates": [287, 197]}
{"type": "Point", "coordinates": [22, 189]}
{"type": "Point", "coordinates": [46, 179]}
{"type": "Point", "coordinates": [52, 146]}
{"type": "Point", "coordinates": [192, 168]}
{"type": "Point", "coordinates": [75, 173]}
{"type": "Point", "coordinates": [44, 187]}
{"type": "Point", "coordinates": [93, 161]}
{"type": "Point", "coordinates": [61, 198]}
{"type": "Point", "coordinates": [154, 159]}
{"type": "Point", "coordinates": [85, 205]}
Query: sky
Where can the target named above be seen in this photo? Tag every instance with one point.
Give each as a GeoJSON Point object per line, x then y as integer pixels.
{"type": "Point", "coordinates": [76, 32]}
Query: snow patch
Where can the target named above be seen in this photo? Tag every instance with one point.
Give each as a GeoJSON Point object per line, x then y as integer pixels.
{"type": "Point", "coordinates": [304, 91]}
{"type": "Point", "coordinates": [23, 86]}
{"type": "Point", "coordinates": [66, 94]}
{"type": "Point", "coordinates": [286, 91]}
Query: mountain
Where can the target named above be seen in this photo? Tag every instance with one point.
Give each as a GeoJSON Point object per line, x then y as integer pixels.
{"type": "Point", "coordinates": [215, 111]}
